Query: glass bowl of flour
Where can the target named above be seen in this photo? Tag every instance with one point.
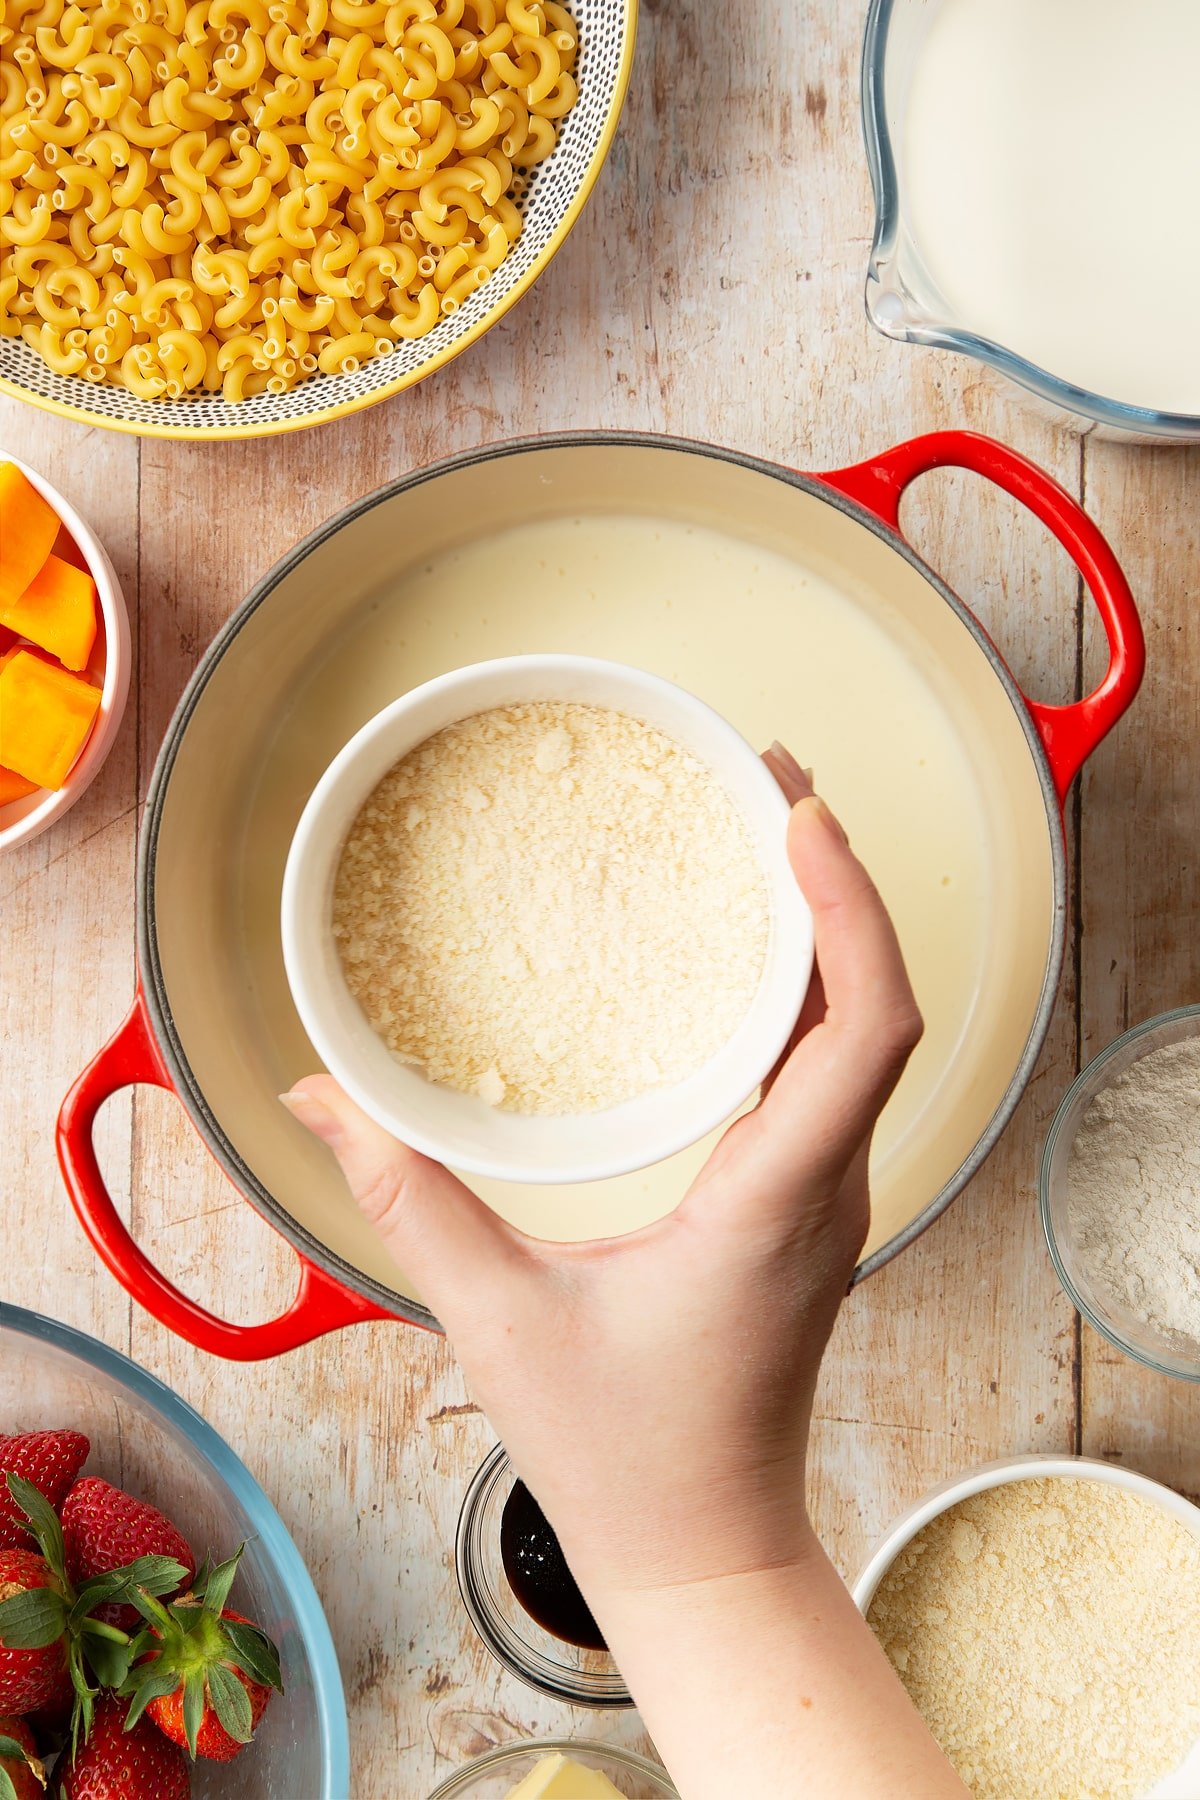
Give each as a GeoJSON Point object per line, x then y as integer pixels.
{"type": "Point", "coordinates": [1120, 1193]}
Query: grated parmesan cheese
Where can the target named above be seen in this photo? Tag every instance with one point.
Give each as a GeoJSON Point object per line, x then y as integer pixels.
{"type": "Point", "coordinates": [553, 906]}
{"type": "Point", "coordinates": [1049, 1633]}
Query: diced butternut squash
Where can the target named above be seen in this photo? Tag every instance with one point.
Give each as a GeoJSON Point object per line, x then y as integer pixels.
{"type": "Point", "coordinates": [14, 786]}
{"type": "Point", "coordinates": [28, 528]}
{"type": "Point", "coordinates": [57, 611]}
{"type": "Point", "coordinates": [45, 715]}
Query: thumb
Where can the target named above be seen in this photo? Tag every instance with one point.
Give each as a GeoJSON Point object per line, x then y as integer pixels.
{"type": "Point", "coordinates": [439, 1232]}
{"type": "Point", "coordinates": [827, 1096]}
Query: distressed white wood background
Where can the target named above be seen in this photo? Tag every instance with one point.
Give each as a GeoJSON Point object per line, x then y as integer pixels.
{"type": "Point", "coordinates": [712, 288]}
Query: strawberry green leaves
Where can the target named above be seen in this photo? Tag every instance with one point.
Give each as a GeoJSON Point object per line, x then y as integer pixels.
{"type": "Point", "coordinates": [22, 1772]}
{"type": "Point", "coordinates": [11, 1751]}
{"type": "Point", "coordinates": [8, 1748]}
{"type": "Point", "coordinates": [194, 1698]}
{"type": "Point", "coordinates": [42, 1524]}
{"type": "Point", "coordinates": [252, 1651]}
{"type": "Point", "coordinates": [149, 1574]}
{"type": "Point", "coordinates": [204, 1673]}
{"type": "Point", "coordinates": [231, 1703]}
{"type": "Point", "coordinates": [98, 1655]}
{"type": "Point", "coordinates": [156, 1684]}
{"type": "Point", "coordinates": [201, 1672]}
{"type": "Point", "coordinates": [32, 1620]}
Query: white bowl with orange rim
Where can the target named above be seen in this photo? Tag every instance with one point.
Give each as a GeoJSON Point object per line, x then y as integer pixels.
{"type": "Point", "coordinates": [108, 668]}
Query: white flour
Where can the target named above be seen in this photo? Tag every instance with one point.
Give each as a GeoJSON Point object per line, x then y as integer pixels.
{"type": "Point", "coordinates": [1134, 1176]}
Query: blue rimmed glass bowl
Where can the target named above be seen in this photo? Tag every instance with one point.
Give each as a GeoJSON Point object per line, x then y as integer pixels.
{"type": "Point", "coordinates": [149, 1441]}
{"type": "Point", "coordinates": [903, 299]}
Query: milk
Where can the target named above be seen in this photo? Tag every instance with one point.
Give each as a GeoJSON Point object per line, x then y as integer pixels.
{"type": "Point", "coordinates": [1049, 163]}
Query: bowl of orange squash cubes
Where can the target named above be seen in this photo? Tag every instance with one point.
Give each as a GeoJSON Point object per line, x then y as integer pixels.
{"type": "Point", "coordinates": [64, 654]}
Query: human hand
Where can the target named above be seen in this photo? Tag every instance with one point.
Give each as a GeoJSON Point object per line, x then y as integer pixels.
{"type": "Point", "coordinates": [655, 1390]}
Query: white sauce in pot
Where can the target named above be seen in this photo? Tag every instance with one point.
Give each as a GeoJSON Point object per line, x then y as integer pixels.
{"type": "Point", "coordinates": [811, 669]}
{"type": "Point", "coordinates": [1050, 170]}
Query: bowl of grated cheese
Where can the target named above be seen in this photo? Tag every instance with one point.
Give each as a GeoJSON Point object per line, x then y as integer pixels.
{"type": "Point", "coordinates": [539, 920]}
{"type": "Point", "coordinates": [1043, 1613]}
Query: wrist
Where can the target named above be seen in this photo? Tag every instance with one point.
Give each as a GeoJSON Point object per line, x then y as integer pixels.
{"type": "Point", "coordinates": [729, 1519]}
{"type": "Point", "coordinates": [736, 1573]}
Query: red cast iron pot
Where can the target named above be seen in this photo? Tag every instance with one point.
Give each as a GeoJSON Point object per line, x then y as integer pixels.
{"type": "Point", "coordinates": [353, 616]}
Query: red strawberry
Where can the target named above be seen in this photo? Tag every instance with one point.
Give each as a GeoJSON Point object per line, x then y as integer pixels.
{"type": "Point", "coordinates": [29, 1678]}
{"type": "Point", "coordinates": [50, 1460]}
{"type": "Point", "coordinates": [49, 1635]}
{"type": "Point", "coordinates": [25, 1772]}
{"type": "Point", "coordinates": [104, 1529]}
{"type": "Point", "coordinates": [212, 1739]}
{"type": "Point", "coordinates": [207, 1680]}
{"type": "Point", "coordinates": [51, 1723]}
{"type": "Point", "coordinates": [118, 1765]}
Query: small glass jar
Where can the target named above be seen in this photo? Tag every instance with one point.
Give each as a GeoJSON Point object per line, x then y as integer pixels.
{"type": "Point", "coordinates": [1119, 1325]}
{"type": "Point", "coordinates": [494, 1776]}
{"type": "Point", "coordinates": [561, 1670]}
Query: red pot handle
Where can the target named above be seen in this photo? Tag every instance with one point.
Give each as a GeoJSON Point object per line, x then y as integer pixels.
{"type": "Point", "coordinates": [1069, 733]}
{"type": "Point", "coordinates": [321, 1304]}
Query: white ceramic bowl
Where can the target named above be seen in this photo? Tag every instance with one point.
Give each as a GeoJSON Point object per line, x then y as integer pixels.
{"type": "Point", "coordinates": [1184, 1783]}
{"type": "Point", "coordinates": [110, 662]}
{"type": "Point", "coordinates": [461, 1128]}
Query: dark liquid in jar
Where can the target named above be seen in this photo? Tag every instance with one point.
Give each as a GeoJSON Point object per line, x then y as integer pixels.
{"type": "Point", "coordinates": [538, 1574]}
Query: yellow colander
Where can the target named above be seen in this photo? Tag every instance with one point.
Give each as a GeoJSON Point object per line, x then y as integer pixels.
{"type": "Point", "coordinates": [550, 199]}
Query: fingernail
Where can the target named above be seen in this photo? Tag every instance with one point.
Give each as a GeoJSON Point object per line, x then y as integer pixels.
{"type": "Point", "coordinates": [803, 778]}
{"type": "Point", "coordinates": [313, 1114]}
{"type": "Point", "coordinates": [829, 820]}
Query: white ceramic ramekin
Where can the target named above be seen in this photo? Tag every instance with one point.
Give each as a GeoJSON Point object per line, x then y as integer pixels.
{"type": "Point", "coordinates": [110, 663]}
{"type": "Point", "coordinates": [460, 1128]}
{"type": "Point", "coordinates": [1184, 1783]}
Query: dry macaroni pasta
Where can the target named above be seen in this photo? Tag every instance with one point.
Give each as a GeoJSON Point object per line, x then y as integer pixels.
{"type": "Point", "coordinates": [233, 194]}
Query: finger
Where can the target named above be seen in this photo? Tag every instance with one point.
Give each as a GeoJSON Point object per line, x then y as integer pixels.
{"type": "Point", "coordinates": [811, 1015]}
{"type": "Point", "coordinates": [439, 1232]}
{"type": "Point", "coordinates": [827, 1096]}
{"type": "Point", "coordinates": [797, 783]}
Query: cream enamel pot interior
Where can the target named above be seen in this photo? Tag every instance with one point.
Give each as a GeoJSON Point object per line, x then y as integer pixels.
{"type": "Point", "coordinates": [794, 606]}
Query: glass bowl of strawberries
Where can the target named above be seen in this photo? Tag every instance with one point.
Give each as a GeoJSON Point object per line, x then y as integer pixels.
{"type": "Point", "coordinates": [150, 1596]}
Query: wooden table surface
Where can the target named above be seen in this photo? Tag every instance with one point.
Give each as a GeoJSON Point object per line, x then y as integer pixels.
{"type": "Point", "coordinates": [713, 289]}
